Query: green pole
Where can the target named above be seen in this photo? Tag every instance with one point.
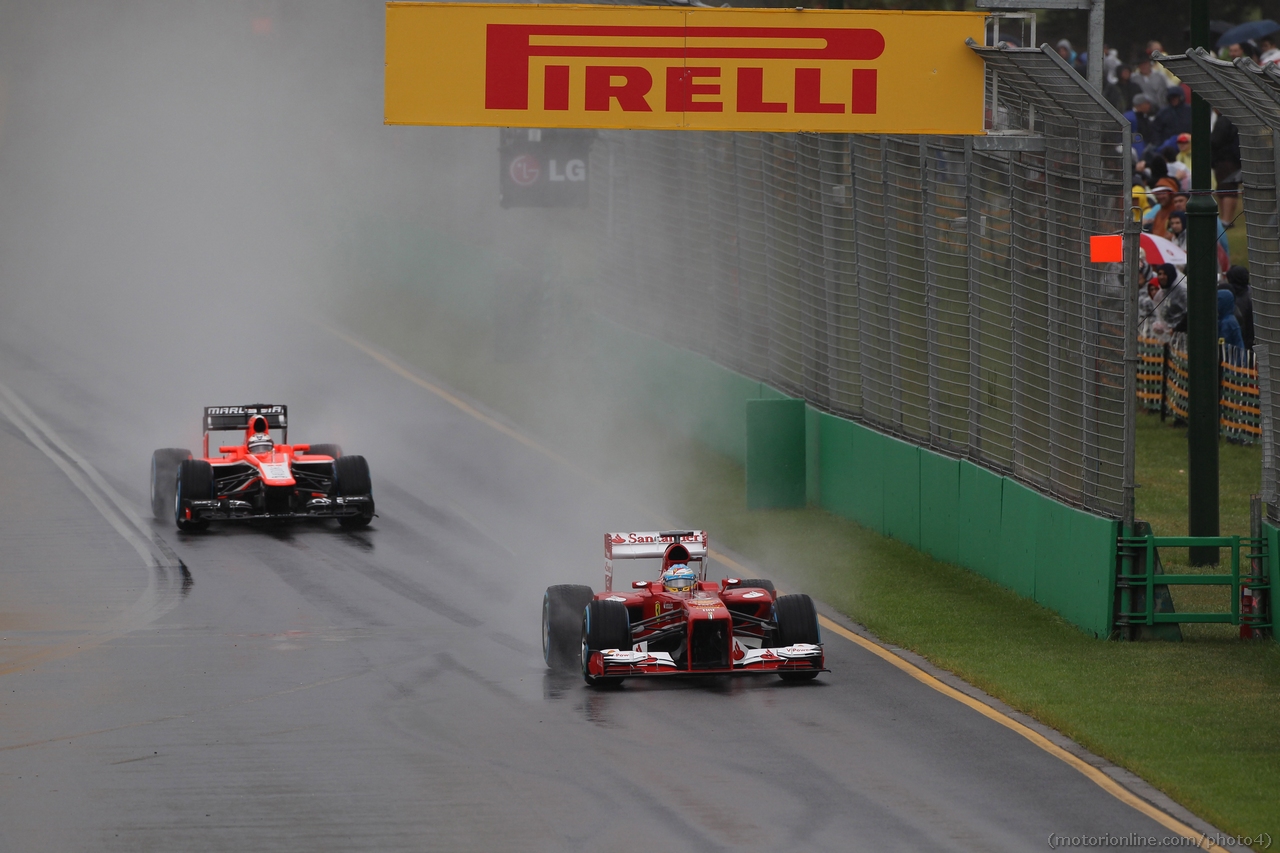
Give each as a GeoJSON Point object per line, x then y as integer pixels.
{"type": "Point", "coordinates": [1202, 322]}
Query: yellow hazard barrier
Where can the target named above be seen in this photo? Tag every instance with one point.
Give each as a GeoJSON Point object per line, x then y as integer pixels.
{"type": "Point", "coordinates": [1162, 385]}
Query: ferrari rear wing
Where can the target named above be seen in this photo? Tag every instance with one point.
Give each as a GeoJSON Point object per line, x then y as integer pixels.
{"type": "Point", "coordinates": [653, 545]}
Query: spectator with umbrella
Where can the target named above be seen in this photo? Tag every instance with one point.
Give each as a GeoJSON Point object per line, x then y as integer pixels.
{"type": "Point", "coordinates": [1261, 32]}
{"type": "Point", "coordinates": [1173, 307]}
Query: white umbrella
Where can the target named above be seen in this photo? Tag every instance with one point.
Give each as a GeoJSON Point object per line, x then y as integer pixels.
{"type": "Point", "coordinates": [1158, 250]}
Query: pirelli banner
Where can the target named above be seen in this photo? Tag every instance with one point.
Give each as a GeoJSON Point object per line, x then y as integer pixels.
{"type": "Point", "coordinates": [667, 68]}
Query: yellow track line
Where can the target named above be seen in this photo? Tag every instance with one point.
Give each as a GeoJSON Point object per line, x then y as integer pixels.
{"type": "Point", "coordinates": [1102, 780]}
{"type": "Point", "coordinates": [1090, 772]}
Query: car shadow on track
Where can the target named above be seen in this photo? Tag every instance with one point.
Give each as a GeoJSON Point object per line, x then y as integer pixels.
{"type": "Point", "coordinates": [595, 702]}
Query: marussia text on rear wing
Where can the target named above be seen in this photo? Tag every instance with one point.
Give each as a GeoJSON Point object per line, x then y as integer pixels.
{"type": "Point", "coordinates": [231, 418]}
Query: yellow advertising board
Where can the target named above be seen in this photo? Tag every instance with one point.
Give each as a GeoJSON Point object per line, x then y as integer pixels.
{"type": "Point", "coordinates": [694, 68]}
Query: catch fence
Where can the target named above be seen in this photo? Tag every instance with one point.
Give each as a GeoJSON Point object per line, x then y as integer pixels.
{"type": "Point", "coordinates": [1250, 97]}
{"type": "Point", "coordinates": [935, 288]}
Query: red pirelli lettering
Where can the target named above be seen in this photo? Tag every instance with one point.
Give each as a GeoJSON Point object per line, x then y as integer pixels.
{"type": "Point", "coordinates": [601, 89]}
{"type": "Point", "coordinates": [510, 47]}
{"type": "Point", "coordinates": [555, 88]}
{"type": "Point", "coordinates": [809, 93]}
{"type": "Point", "coordinates": [751, 93]}
{"type": "Point", "coordinates": [681, 89]}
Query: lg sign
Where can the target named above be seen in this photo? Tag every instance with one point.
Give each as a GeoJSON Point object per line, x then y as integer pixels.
{"type": "Point", "coordinates": [604, 81]}
{"type": "Point", "coordinates": [544, 168]}
{"type": "Point", "coordinates": [525, 170]}
{"type": "Point", "coordinates": [554, 66]}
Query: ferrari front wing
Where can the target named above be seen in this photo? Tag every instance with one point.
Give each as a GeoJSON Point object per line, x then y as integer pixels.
{"type": "Point", "coordinates": [619, 663]}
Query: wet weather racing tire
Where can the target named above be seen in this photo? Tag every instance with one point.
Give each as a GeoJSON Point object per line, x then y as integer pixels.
{"type": "Point", "coordinates": [352, 480]}
{"type": "Point", "coordinates": [797, 622]}
{"type": "Point", "coordinates": [758, 583]}
{"type": "Point", "coordinates": [562, 609]}
{"type": "Point", "coordinates": [333, 450]}
{"type": "Point", "coordinates": [194, 483]}
{"type": "Point", "coordinates": [164, 479]}
{"type": "Point", "coordinates": [605, 625]}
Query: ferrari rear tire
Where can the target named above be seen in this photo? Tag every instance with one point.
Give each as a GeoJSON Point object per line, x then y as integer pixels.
{"type": "Point", "coordinates": [797, 622]}
{"type": "Point", "coordinates": [333, 450]}
{"type": "Point", "coordinates": [758, 583]}
{"type": "Point", "coordinates": [164, 479]}
{"type": "Point", "coordinates": [562, 609]}
{"type": "Point", "coordinates": [194, 482]}
{"type": "Point", "coordinates": [352, 480]}
{"type": "Point", "coordinates": [605, 625]}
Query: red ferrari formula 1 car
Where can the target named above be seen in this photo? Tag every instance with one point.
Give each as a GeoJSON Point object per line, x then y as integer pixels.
{"type": "Point", "coordinates": [259, 479]}
{"type": "Point", "coordinates": [679, 624]}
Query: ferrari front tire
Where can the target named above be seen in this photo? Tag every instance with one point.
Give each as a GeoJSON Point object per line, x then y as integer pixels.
{"type": "Point", "coordinates": [605, 625]}
{"type": "Point", "coordinates": [194, 483]}
{"type": "Point", "coordinates": [562, 607]}
{"type": "Point", "coordinates": [164, 478]}
{"type": "Point", "coordinates": [796, 621]}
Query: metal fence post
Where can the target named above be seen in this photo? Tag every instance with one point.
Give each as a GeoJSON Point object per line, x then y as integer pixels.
{"type": "Point", "coordinates": [930, 293]}
{"type": "Point", "coordinates": [1133, 234]}
{"type": "Point", "coordinates": [973, 247]}
{"type": "Point", "coordinates": [891, 282]}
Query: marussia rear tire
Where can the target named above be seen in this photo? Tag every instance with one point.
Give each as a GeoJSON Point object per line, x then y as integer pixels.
{"type": "Point", "coordinates": [164, 479]}
{"type": "Point", "coordinates": [796, 621]}
{"type": "Point", "coordinates": [194, 483]}
{"type": "Point", "coordinates": [605, 625]}
{"type": "Point", "coordinates": [352, 480]}
{"type": "Point", "coordinates": [562, 608]}
{"type": "Point", "coordinates": [332, 450]}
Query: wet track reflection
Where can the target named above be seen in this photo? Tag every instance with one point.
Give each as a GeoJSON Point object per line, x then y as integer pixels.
{"type": "Point", "coordinates": [305, 687]}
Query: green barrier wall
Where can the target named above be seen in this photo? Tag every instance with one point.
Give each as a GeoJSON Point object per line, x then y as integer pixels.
{"type": "Point", "coordinates": [1273, 549]}
{"type": "Point", "coordinates": [955, 511]}
{"type": "Point", "coordinates": [776, 460]}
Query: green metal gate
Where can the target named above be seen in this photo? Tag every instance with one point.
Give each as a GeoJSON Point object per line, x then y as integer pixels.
{"type": "Point", "coordinates": [1249, 579]}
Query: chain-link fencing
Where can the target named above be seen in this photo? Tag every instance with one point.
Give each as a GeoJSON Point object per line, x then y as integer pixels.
{"type": "Point", "coordinates": [935, 288]}
{"type": "Point", "coordinates": [1250, 97]}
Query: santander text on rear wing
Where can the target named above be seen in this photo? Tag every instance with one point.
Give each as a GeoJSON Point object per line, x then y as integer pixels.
{"type": "Point", "coordinates": [650, 545]}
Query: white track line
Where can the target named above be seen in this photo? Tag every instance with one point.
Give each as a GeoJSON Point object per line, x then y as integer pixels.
{"type": "Point", "coordinates": [107, 501]}
{"type": "Point", "coordinates": [156, 556]}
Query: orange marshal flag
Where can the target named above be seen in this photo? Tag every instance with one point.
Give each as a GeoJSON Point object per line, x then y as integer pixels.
{"type": "Point", "coordinates": [670, 68]}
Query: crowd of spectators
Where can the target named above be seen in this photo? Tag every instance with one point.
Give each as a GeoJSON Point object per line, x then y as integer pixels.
{"type": "Point", "coordinates": [1157, 106]}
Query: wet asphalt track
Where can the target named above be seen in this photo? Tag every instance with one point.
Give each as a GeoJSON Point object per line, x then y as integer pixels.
{"type": "Point", "coordinates": [306, 689]}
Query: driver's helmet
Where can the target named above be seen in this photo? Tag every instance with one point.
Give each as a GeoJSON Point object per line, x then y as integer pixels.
{"type": "Point", "coordinates": [260, 442]}
{"type": "Point", "coordinates": [679, 578]}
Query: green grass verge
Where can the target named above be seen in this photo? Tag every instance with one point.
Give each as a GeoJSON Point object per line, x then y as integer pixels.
{"type": "Point", "coordinates": [1196, 719]}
